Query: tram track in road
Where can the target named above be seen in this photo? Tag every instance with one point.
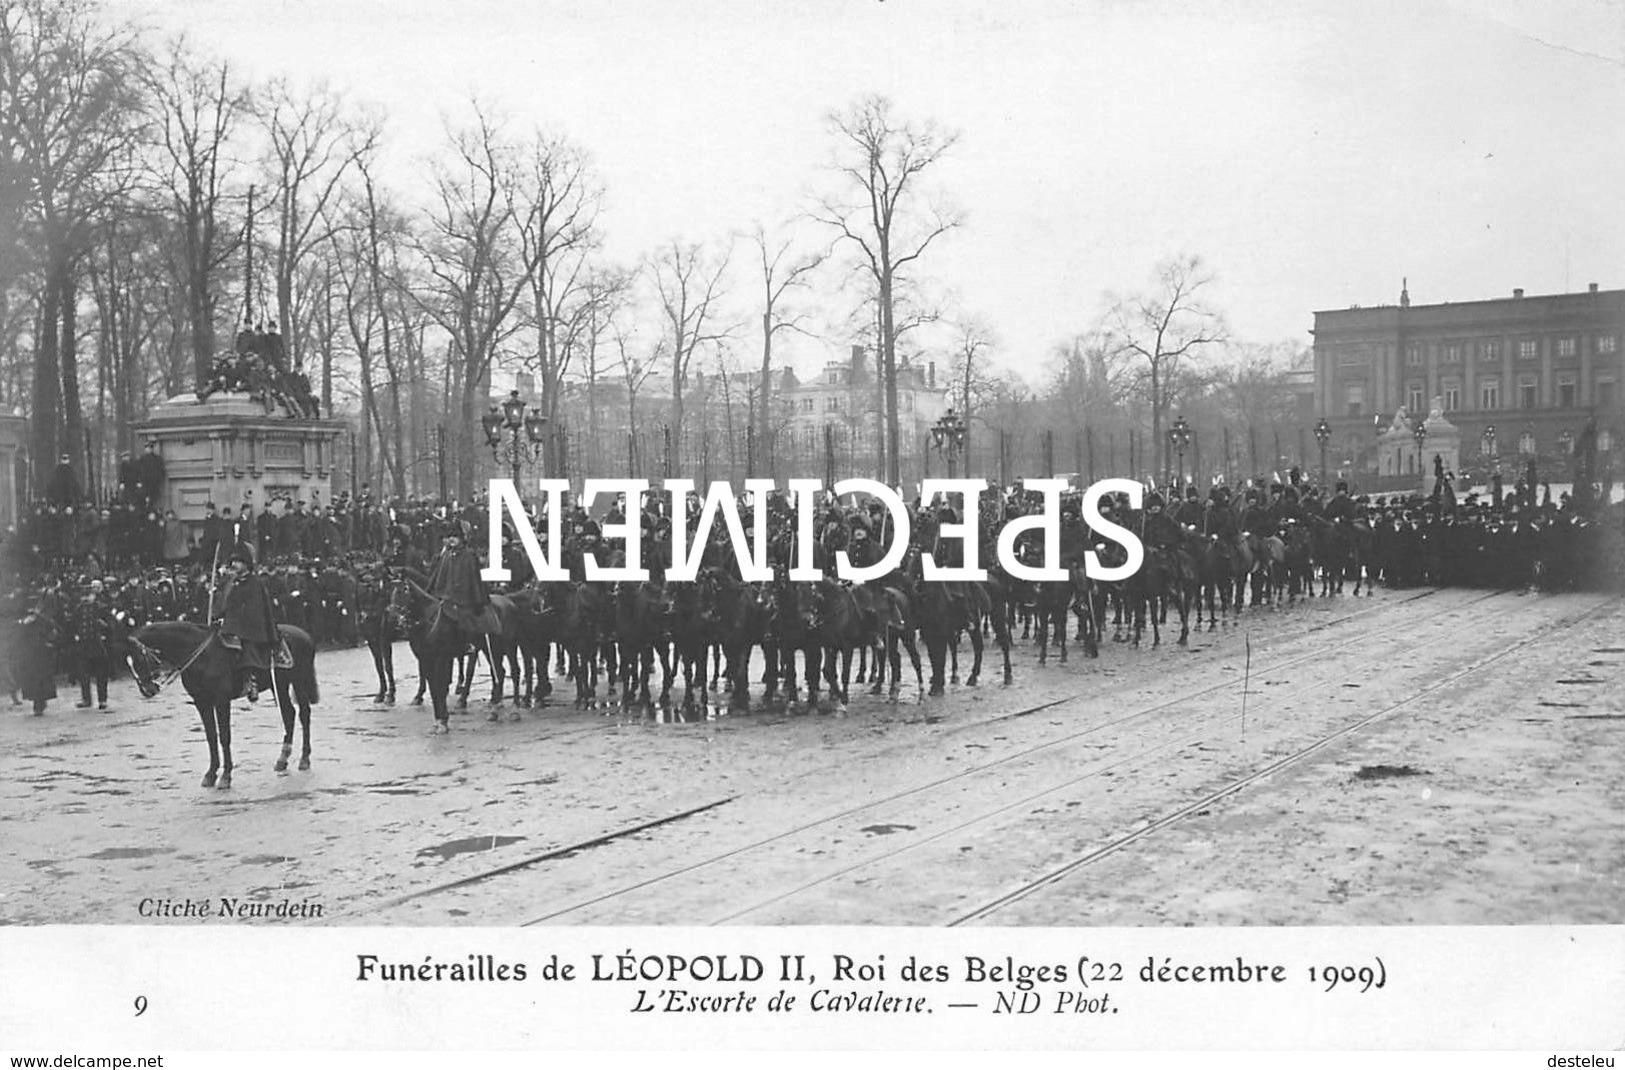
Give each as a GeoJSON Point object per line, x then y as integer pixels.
{"type": "Point", "coordinates": [1118, 843]}
{"type": "Point", "coordinates": [1407, 627]}
{"type": "Point", "coordinates": [1200, 728]}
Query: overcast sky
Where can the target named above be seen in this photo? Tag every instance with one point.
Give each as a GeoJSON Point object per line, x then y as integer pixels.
{"type": "Point", "coordinates": [1313, 153]}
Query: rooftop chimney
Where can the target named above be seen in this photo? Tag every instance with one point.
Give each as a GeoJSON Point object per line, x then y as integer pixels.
{"type": "Point", "coordinates": [1518, 292]}
{"type": "Point", "coordinates": [1592, 287]}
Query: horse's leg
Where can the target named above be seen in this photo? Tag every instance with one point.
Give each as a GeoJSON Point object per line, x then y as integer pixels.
{"type": "Point", "coordinates": [284, 703]}
{"type": "Point", "coordinates": [423, 676]}
{"type": "Point", "coordinates": [388, 649]}
{"type": "Point", "coordinates": [846, 677]}
{"type": "Point", "coordinates": [304, 725]}
{"type": "Point", "coordinates": [223, 715]}
{"type": "Point", "coordinates": [739, 665]}
{"type": "Point", "coordinates": [211, 733]}
{"type": "Point", "coordinates": [832, 669]}
{"type": "Point", "coordinates": [914, 660]}
{"type": "Point", "coordinates": [976, 657]}
{"type": "Point", "coordinates": [376, 646]}
{"type": "Point", "coordinates": [663, 652]}
{"type": "Point", "coordinates": [936, 648]}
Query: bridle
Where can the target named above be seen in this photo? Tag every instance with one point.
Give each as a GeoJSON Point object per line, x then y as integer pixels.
{"type": "Point", "coordinates": [150, 656]}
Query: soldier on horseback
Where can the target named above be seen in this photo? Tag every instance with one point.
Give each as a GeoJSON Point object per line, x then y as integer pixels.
{"type": "Point", "coordinates": [1160, 530]}
{"type": "Point", "coordinates": [455, 583]}
{"type": "Point", "coordinates": [247, 626]}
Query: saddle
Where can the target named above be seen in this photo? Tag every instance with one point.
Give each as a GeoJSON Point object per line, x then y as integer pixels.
{"type": "Point", "coordinates": [281, 656]}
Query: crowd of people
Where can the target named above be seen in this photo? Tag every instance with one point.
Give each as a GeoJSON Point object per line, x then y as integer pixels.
{"type": "Point", "coordinates": [78, 578]}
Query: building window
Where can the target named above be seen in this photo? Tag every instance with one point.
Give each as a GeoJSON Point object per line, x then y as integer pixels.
{"type": "Point", "coordinates": [1452, 395]}
{"type": "Point", "coordinates": [1489, 393]}
{"type": "Point", "coordinates": [1413, 354]}
{"type": "Point", "coordinates": [1607, 343]}
{"type": "Point", "coordinates": [1526, 443]}
{"type": "Point", "coordinates": [1527, 391]}
{"type": "Point", "coordinates": [1452, 353]}
{"type": "Point", "coordinates": [1605, 441]}
{"type": "Point", "coordinates": [832, 403]}
{"type": "Point", "coordinates": [1354, 399]}
{"type": "Point", "coordinates": [1413, 398]}
{"type": "Point", "coordinates": [1490, 351]}
{"type": "Point", "coordinates": [1528, 349]}
{"type": "Point", "coordinates": [1565, 392]}
{"type": "Point", "coordinates": [806, 404]}
{"type": "Point", "coordinates": [1565, 347]}
{"type": "Point", "coordinates": [1605, 393]}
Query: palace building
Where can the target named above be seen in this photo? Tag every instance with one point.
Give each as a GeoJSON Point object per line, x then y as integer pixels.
{"type": "Point", "coordinates": [1518, 376]}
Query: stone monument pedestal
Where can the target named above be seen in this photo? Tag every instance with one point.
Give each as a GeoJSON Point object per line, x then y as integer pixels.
{"type": "Point", "coordinates": [1397, 453]}
{"type": "Point", "coordinates": [227, 450]}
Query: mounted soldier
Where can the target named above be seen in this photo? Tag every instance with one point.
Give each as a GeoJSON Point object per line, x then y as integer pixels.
{"type": "Point", "coordinates": [247, 626]}
{"type": "Point", "coordinates": [455, 583]}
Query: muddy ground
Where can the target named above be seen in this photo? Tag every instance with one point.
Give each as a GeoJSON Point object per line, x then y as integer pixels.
{"type": "Point", "coordinates": [1416, 757]}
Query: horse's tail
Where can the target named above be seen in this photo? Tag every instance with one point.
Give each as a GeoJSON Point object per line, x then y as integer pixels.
{"type": "Point", "coordinates": [305, 684]}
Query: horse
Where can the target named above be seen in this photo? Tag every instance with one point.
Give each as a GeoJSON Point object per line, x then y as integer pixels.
{"type": "Point", "coordinates": [438, 640]}
{"type": "Point", "coordinates": [1300, 562]}
{"type": "Point", "coordinates": [744, 610]}
{"type": "Point", "coordinates": [889, 620]}
{"type": "Point", "coordinates": [1216, 571]}
{"type": "Point", "coordinates": [792, 626]}
{"type": "Point", "coordinates": [208, 671]}
{"type": "Point", "coordinates": [382, 622]}
{"type": "Point", "coordinates": [642, 615]}
{"type": "Point", "coordinates": [696, 626]}
{"type": "Point", "coordinates": [1053, 603]}
{"type": "Point", "coordinates": [582, 609]}
{"type": "Point", "coordinates": [1168, 574]}
{"type": "Point", "coordinates": [841, 629]}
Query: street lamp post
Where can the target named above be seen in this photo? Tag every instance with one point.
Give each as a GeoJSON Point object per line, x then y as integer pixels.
{"type": "Point", "coordinates": [1489, 447]}
{"type": "Point", "coordinates": [502, 427]}
{"type": "Point", "coordinates": [948, 436]}
{"type": "Point", "coordinates": [1179, 437]}
{"type": "Point", "coordinates": [1323, 435]}
{"type": "Point", "coordinates": [1421, 433]}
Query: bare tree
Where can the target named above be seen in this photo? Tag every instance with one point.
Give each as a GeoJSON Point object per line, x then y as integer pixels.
{"type": "Point", "coordinates": [70, 114]}
{"type": "Point", "coordinates": [636, 369]}
{"type": "Point", "coordinates": [688, 281]}
{"type": "Point", "coordinates": [1164, 328]}
{"type": "Point", "coordinates": [477, 265]}
{"type": "Point", "coordinates": [972, 379]}
{"type": "Point", "coordinates": [558, 230]}
{"type": "Point", "coordinates": [782, 272]}
{"type": "Point", "coordinates": [313, 143]}
{"type": "Point", "coordinates": [197, 106]}
{"type": "Point", "coordinates": [881, 160]}
{"type": "Point", "coordinates": [605, 293]}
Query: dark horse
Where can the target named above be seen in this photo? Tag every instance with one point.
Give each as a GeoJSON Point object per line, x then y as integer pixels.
{"type": "Point", "coordinates": [208, 671]}
{"type": "Point", "coordinates": [382, 623]}
{"type": "Point", "coordinates": [437, 639]}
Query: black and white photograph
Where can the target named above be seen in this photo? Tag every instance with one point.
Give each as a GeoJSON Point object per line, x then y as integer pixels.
{"type": "Point", "coordinates": [872, 464]}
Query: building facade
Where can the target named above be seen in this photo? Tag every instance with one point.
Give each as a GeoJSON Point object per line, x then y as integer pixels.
{"type": "Point", "coordinates": [1519, 377]}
